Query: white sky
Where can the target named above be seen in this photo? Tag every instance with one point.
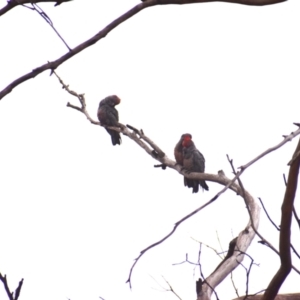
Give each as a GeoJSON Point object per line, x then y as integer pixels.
{"type": "Point", "coordinates": [75, 211]}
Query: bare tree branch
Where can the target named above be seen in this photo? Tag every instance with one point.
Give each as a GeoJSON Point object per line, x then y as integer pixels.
{"type": "Point", "coordinates": [285, 228]}
{"type": "Point", "coordinates": [287, 138]}
{"type": "Point", "coordinates": [213, 249]}
{"type": "Point", "coordinates": [81, 99]}
{"type": "Point", "coordinates": [245, 236]}
{"type": "Point", "coordinates": [293, 248]}
{"type": "Point", "coordinates": [223, 258]}
{"type": "Point", "coordinates": [233, 284]}
{"type": "Point", "coordinates": [199, 295]}
{"type": "Point", "coordinates": [264, 241]}
{"type": "Point", "coordinates": [248, 270]}
{"type": "Point", "coordinates": [101, 34]}
{"type": "Point", "coordinates": [230, 252]}
{"type": "Point", "coordinates": [11, 295]}
{"type": "Point", "coordinates": [13, 3]}
{"type": "Point", "coordinates": [186, 261]}
{"type": "Point", "coordinates": [42, 13]}
{"type": "Point", "coordinates": [171, 289]}
{"type": "Point", "coordinates": [266, 212]}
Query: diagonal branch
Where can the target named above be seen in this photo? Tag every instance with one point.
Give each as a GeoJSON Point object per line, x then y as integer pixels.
{"type": "Point", "coordinates": [42, 13]}
{"type": "Point", "coordinates": [265, 210]}
{"type": "Point", "coordinates": [268, 216]}
{"type": "Point", "coordinates": [101, 34]}
{"type": "Point", "coordinates": [287, 138]}
{"type": "Point", "coordinates": [171, 289]}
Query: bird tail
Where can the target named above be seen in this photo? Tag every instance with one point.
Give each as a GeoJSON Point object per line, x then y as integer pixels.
{"type": "Point", "coordinates": [203, 185]}
{"type": "Point", "coordinates": [191, 183]}
{"type": "Point", "coordinates": [115, 137]}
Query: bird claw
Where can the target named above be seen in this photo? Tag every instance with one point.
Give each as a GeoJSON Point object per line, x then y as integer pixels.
{"type": "Point", "coordinates": [163, 166]}
{"type": "Point", "coordinates": [178, 164]}
{"type": "Point", "coordinates": [121, 126]}
{"type": "Point", "coordinates": [183, 169]}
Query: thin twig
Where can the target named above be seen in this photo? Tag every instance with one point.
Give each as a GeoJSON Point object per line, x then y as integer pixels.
{"type": "Point", "coordinates": [201, 272]}
{"type": "Point", "coordinates": [13, 3]}
{"type": "Point", "coordinates": [251, 296]}
{"type": "Point", "coordinates": [171, 289]}
{"type": "Point", "coordinates": [213, 249]}
{"type": "Point", "coordinates": [81, 99]}
{"type": "Point", "coordinates": [293, 248]}
{"type": "Point", "coordinates": [42, 13]}
{"type": "Point", "coordinates": [233, 284]}
{"type": "Point", "coordinates": [248, 270]}
{"type": "Point", "coordinates": [287, 138]}
{"type": "Point", "coordinates": [268, 216]}
{"type": "Point", "coordinates": [219, 241]}
{"type": "Point", "coordinates": [103, 33]}
{"type": "Point", "coordinates": [243, 190]}
{"type": "Point", "coordinates": [185, 261]}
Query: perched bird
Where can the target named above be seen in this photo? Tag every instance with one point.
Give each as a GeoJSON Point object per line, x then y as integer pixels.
{"type": "Point", "coordinates": [108, 115]}
{"type": "Point", "coordinates": [193, 161]}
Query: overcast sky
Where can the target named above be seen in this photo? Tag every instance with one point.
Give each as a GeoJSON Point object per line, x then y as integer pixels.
{"type": "Point", "coordinates": [76, 211]}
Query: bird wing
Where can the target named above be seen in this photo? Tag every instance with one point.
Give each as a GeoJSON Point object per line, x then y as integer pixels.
{"type": "Point", "coordinates": [113, 115]}
{"type": "Point", "coordinates": [108, 115]}
{"type": "Point", "coordinates": [188, 161]}
{"type": "Point", "coordinates": [198, 161]}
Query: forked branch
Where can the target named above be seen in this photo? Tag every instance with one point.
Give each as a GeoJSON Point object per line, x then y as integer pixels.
{"type": "Point", "coordinates": [102, 33]}
{"type": "Point", "coordinates": [11, 295]}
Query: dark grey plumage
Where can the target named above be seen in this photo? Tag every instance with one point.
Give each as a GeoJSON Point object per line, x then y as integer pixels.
{"type": "Point", "coordinates": [108, 115]}
{"type": "Point", "coordinates": [193, 161]}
